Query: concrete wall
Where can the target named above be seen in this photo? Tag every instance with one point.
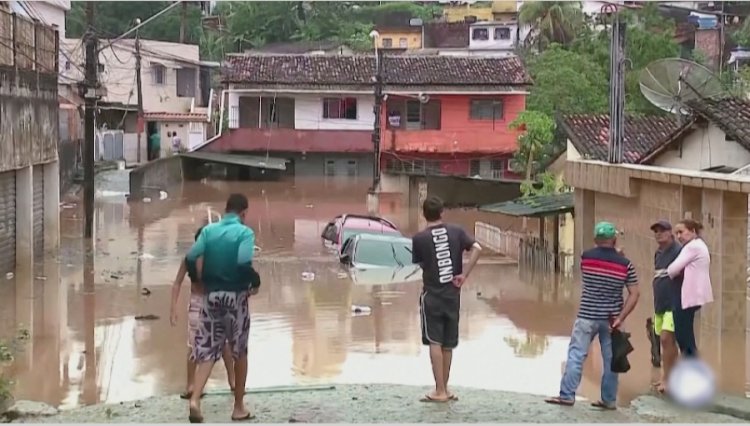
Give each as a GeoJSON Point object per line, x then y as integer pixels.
{"type": "Point", "coordinates": [315, 164]}
{"type": "Point", "coordinates": [164, 174]}
{"type": "Point", "coordinates": [413, 38]}
{"type": "Point", "coordinates": [29, 124]}
{"type": "Point", "coordinates": [308, 114]}
{"type": "Point", "coordinates": [492, 43]}
{"type": "Point", "coordinates": [703, 148]}
{"type": "Point", "coordinates": [453, 190]}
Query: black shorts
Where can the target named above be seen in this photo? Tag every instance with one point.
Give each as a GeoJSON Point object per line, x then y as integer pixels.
{"type": "Point", "coordinates": [439, 319]}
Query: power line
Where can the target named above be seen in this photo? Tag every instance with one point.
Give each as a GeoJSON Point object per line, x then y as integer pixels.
{"type": "Point", "coordinates": [126, 33]}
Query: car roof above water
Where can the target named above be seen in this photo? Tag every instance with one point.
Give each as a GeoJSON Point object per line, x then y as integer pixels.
{"type": "Point", "coordinates": [383, 238]}
{"type": "Point", "coordinates": [364, 223]}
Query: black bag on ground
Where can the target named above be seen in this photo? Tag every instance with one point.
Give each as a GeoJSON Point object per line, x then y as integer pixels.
{"type": "Point", "coordinates": [621, 347]}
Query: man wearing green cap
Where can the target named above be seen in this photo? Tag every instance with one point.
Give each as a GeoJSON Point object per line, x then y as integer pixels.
{"type": "Point", "coordinates": [604, 272]}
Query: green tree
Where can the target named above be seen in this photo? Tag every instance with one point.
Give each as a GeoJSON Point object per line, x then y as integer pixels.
{"type": "Point", "coordinates": [648, 37]}
{"type": "Point", "coordinates": [567, 82]}
{"type": "Point", "coordinates": [552, 21]}
{"type": "Point", "coordinates": [536, 137]}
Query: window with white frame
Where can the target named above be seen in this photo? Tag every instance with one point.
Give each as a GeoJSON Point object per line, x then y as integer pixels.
{"type": "Point", "coordinates": [486, 109]}
{"type": "Point", "coordinates": [330, 168]}
{"type": "Point", "coordinates": [340, 108]}
{"type": "Point", "coordinates": [502, 33]}
{"type": "Point", "coordinates": [387, 43]}
{"type": "Point", "coordinates": [480, 34]}
{"type": "Point", "coordinates": [403, 43]}
{"type": "Point", "coordinates": [351, 168]}
{"type": "Point", "coordinates": [158, 74]}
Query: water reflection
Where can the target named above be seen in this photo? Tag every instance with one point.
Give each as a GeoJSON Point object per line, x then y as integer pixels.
{"type": "Point", "coordinates": [87, 346]}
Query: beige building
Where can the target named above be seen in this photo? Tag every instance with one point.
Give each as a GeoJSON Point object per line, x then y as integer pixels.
{"type": "Point", "coordinates": [176, 91]}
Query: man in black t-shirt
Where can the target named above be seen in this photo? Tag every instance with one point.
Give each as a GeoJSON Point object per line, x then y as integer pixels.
{"type": "Point", "coordinates": [438, 249]}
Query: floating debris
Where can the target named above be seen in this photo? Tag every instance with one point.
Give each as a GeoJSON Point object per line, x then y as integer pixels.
{"type": "Point", "coordinates": [145, 291]}
{"type": "Point", "coordinates": [361, 310]}
{"type": "Point", "coordinates": [163, 195]}
{"type": "Point", "coordinates": [149, 317]}
{"type": "Point", "coordinates": [342, 275]}
{"type": "Point", "coordinates": [146, 199]}
{"type": "Point", "coordinates": [308, 276]}
{"type": "Point", "coordinates": [9, 276]}
{"type": "Point", "coordinates": [146, 256]}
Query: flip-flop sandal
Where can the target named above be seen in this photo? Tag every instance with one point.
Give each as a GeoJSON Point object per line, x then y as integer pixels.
{"type": "Point", "coordinates": [249, 416]}
{"type": "Point", "coordinates": [428, 398]}
{"type": "Point", "coordinates": [188, 395]}
{"type": "Point", "coordinates": [602, 406]}
{"type": "Point", "coordinates": [559, 401]}
{"type": "Point", "coordinates": [195, 418]}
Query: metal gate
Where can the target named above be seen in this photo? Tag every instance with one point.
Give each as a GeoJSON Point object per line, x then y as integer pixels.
{"type": "Point", "coordinates": [7, 222]}
{"type": "Point", "coordinates": [38, 183]}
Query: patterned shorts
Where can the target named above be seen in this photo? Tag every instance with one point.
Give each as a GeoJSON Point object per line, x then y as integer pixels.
{"type": "Point", "coordinates": [194, 317]}
{"type": "Point", "coordinates": [224, 317]}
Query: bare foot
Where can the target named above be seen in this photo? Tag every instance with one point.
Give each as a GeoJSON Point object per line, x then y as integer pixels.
{"type": "Point", "coordinates": [241, 413]}
{"type": "Point", "coordinates": [661, 388]}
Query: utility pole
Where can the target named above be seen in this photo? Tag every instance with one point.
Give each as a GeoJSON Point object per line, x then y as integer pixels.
{"type": "Point", "coordinates": [90, 87]}
{"type": "Point", "coordinates": [139, 88]}
{"type": "Point", "coordinates": [183, 21]}
{"type": "Point", "coordinates": [617, 88]}
{"type": "Point", "coordinates": [377, 110]}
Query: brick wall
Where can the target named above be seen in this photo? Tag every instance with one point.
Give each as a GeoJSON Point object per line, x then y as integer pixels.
{"type": "Point", "coordinates": [708, 43]}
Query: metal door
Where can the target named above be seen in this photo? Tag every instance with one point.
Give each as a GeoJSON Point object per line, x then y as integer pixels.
{"type": "Point", "coordinates": [38, 184]}
{"type": "Point", "coordinates": [7, 222]}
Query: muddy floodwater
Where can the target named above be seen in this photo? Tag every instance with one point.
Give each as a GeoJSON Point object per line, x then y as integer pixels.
{"type": "Point", "coordinates": [111, 341]}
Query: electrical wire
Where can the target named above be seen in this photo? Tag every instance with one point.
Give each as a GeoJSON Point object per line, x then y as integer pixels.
{"type": "Point", "coordinates": [126, 33]}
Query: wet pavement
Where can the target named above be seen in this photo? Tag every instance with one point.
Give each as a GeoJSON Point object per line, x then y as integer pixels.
{"type": "Point", "coordinates": [87, 346]}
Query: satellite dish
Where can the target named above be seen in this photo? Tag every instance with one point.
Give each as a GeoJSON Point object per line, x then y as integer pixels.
{"type": "Point", "coordinates": [670, 83]}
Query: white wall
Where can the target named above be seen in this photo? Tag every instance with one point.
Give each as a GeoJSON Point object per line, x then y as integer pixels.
{"type": "Point", "coordinates": [308, 111]}
{"type": "Point", "coordinates": [704, 148]}
{"type": "Point", "coordinates": [308, 114]}
{"type": "Point", "coordinates": [119, 72]}
{"type": "Point", "coordinates": [492, 43]}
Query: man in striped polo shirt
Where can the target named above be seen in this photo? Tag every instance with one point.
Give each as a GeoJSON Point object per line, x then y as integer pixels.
{"type": "Point", "coordinates": [604, 272]}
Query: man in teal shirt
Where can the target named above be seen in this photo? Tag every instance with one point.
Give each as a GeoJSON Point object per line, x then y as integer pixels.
{"type": "Point", "coordinates": [223, 254]}
{"type": "Point", "coordinates": [154, 145]}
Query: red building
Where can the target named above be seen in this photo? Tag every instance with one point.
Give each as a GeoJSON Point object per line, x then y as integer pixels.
{"type": "Point", "coordinates": [441, 114]}
{"type": "Point", "coordinates": [451, 116]}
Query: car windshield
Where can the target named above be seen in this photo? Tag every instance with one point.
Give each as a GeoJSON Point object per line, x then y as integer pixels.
{"type": "Point", "coordinates": [383, 253]}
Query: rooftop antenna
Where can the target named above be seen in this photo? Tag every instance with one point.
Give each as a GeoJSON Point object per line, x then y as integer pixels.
{"type": "Point", "coordinates": [671, 83]}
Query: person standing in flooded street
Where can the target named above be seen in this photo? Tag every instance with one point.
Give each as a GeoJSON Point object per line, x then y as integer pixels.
{"type": "Point", "coordinates": [439, 249]}
{"type": "Point", "coordinates": [666, 297]}
{"type": "Point", "coordinates": [225, 250]}
{"type": "Point", "coordinates": [604, 273]}
{"type": "Point", "coordinates": [193, 319]}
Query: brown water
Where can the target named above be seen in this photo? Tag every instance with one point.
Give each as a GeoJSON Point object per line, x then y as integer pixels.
{"type": "Point", "coordinates": [87, 347]}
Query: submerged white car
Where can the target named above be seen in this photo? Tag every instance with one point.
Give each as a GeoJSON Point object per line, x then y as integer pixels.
{"type": "Point", "coordinates": [379, 259]}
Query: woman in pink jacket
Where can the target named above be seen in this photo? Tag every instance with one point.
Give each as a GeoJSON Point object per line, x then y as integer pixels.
{"type": "Point", "coordinates": [694, 263]}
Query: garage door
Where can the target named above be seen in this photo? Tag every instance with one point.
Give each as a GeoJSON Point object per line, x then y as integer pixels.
{"type": "Point", "coordinates": [38, 182]}
{"type": "Point", "coordinates": [7, 222]}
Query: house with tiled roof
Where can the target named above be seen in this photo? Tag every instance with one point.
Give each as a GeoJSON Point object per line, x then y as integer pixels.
{"type": "Point", "coordinates": [714, 137]}
{"type": "Point", "coordinates": [441, 114]}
